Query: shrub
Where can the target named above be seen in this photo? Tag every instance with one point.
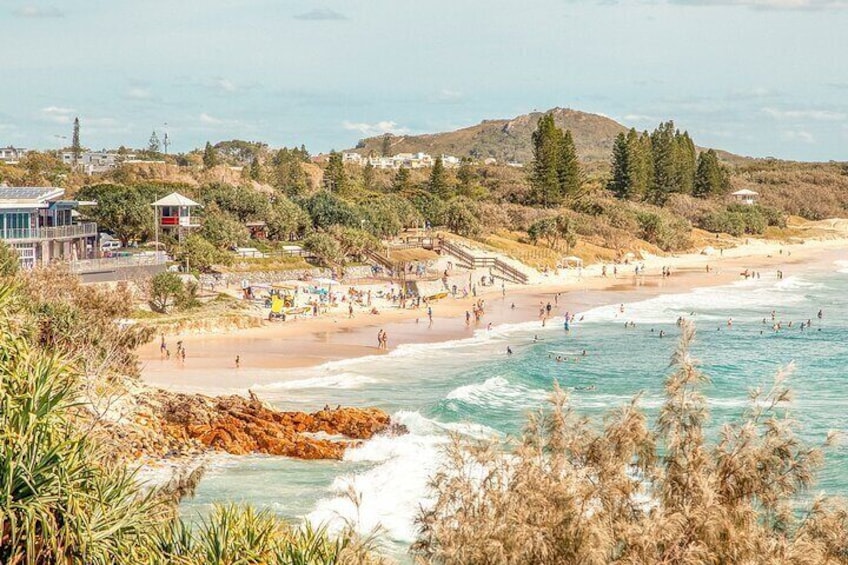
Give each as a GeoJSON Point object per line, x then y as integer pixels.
{"type": "Point", "coordinates": [622, 491]}
{"type": "Point", "coordinates": [58, 502]}
{"type": "Point", "coordinates": [166, 290]}
{"type": "Point", "coordinates": [462, 217]}
{"type": "Point", "coordinates": [664, 230]}
{"type": "Point", "coordinates": [200, 254]}
{"type": "Point", "coordinates": [325, 248]}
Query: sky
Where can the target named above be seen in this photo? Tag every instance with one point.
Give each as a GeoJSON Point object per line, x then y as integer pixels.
{"type": "Point", "coordinates": [755, 77]}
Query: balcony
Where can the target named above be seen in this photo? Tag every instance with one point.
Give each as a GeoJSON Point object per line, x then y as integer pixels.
{"type": "Point", "coordinates": [47, 234]}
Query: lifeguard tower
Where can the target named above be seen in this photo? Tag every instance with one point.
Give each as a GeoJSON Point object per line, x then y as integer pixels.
{"type": "Point", "coordinates": [173, 213]}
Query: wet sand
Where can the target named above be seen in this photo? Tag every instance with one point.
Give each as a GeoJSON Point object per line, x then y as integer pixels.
{"type": "Point", "coordinates": [279, 351]}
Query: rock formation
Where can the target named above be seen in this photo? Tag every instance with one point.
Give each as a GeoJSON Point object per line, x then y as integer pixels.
{"type": "Point", "coordinates": [239, 425]}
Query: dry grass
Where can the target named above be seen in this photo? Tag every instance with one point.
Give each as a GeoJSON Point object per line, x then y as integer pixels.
{"type": "Point", "coordinates": [625, 491]}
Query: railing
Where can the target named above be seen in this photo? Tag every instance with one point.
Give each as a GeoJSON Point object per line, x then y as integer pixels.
{"type": "Point", "coordinates": [483, 261]}
{"type": "Point", "coordinates": [57, 232]}
{"type": "Point", "coordinates": [113, 263]}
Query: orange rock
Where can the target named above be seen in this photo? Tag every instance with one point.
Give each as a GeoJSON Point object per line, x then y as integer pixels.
{"type": "Point", "coordinates": [240, 426]}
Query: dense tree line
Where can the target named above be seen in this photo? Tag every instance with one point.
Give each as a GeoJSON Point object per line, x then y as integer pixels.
{"type": "Point", "coordinates": [555, 174]}
{"type": "Point", "coordinates": [652, 167]}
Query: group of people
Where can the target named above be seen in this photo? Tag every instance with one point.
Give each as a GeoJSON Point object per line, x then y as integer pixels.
{"type": "Point", "coordinates": [382, 340]}
{"type": "Point", "coordinates": [166, 353]}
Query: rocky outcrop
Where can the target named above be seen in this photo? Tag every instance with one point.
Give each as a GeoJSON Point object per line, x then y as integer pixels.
{"type": "Point", "coordinates": [239, 426]}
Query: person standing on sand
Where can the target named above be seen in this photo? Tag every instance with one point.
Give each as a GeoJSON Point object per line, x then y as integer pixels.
{"type": "Point", "coordinates": [350, 310]}
{"type": "Point", "coordinates": [183, 354]}
{"type": "Point", "coordinates": [380, 339]}
{"type": "Point", "coordinates": [238, 361]}
{"type": "Point", "coordinates": [385, 341]}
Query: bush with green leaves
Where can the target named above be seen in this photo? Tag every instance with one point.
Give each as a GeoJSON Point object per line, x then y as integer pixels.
{"type": "Point", "coordinates": [167, 292]}
{"type": "Point", "coordinates": [740, 219]}
{"type": "Point", "coordinates": [59, 502]}
{"type": "Point", "coordinates": [664, 230]}
{"type": "Point", "coordinates": [10, 261]}
{"type": "Point", "coordinates": [240, 534]}
{"type": "Point", "coordinates": [463, 217]}
{"type": "Point", "coordinates": [199, 254]}
{"type": "Point", "coordinates": [325, 248]}
{"type": "Point", "coordinates": [327, 209]}
{"type": "Point", "coordinates": [222, 229]}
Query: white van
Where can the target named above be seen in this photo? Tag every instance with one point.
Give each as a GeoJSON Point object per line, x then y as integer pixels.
{"type": "Point", "coordinates": [110, 245]}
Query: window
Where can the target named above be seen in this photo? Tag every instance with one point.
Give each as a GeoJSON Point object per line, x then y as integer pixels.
{"type": "Point", "coordinates": [16, 225]}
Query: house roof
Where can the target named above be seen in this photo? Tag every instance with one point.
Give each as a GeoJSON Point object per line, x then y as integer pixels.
{"type": "Point", "coordinates": [175, 199]}
{"type": "Point", "coordinates": [745, 192]}
{"type": "Point", "coordinates": [28, 196]}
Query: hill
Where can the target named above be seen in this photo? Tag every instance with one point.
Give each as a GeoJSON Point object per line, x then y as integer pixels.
{"type": "Point", "coordinates": [507, 140]}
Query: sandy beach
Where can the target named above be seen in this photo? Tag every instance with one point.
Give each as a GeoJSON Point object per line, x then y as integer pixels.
{"type": "Point", "coordinates": [266, 352]}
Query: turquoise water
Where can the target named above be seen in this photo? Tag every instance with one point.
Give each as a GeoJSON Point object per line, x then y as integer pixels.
{"type": "Point", "coordinates": [472, 387]}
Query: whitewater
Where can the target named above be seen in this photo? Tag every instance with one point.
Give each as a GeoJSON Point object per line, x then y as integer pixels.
{"type": "Point", "coordinates": [472, 388]}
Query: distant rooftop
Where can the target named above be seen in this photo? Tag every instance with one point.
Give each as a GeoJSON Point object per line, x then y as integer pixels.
{"type": "Point", "coordinates": [175, 199]}
{"type": "Point", "coordinates": [30, 194]}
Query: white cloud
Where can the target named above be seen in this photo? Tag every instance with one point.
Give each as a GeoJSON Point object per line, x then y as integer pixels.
{"type": "Point", "coordinates": [819, 115]}
{"type": "Point", "coordinates": [797, 135]}
{"type": "Point", "coordinates": [210, 120]}
{"type": "Point", "coordinates": [378, 128]}
{"type": "Point", "coordinates": [318, 14]}
{"type": "Point", "coordinates": [33, 11]}
{"type": "Point", "coordinates": [769, 4]}
{"type": "Point", "coordinates": [225, 85]}
{"type": "Point", "coordinates": [139, 93]}
{"type": "Point", "coordinates": [641, 118]}
{"type": "Point", "coordinates": [57, 114]}
{"type": "Point", "coordinates": [448, 95]}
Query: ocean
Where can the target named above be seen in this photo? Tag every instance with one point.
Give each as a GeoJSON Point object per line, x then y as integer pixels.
{"type": "Point", "coordinates": [472, 387]}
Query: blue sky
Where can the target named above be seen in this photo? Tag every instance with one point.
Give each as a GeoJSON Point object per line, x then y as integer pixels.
{"type": "Point", "coordinates": [756, 77]}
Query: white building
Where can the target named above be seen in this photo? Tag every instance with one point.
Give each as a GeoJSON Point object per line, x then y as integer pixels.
{"type": "Point", "coordinates": [11, 154]}
{"type": "Point", "coordinates": [97, 161]}
{"type": "Point", "coordinates": [40, 225]}
{"type": "Point", "coordinates": [353, 159]}
{"type": "Point", "coordinates": [745, 196]}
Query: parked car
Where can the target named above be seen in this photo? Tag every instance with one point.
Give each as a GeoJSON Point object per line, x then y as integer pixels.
{"type": "Point", "coordinates": [110, 245]}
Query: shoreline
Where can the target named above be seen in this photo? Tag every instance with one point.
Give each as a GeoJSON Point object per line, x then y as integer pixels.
{"type": "Point", "coordinates": [280, 352]}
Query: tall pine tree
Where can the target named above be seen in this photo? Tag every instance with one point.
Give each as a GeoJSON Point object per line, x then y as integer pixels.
{"type": "Point", "coordinates": [555, 171]}
{"type": "Point", "coordinates": [368, 176]}
{"type": "Point", "coordinates": [620, 183]}
{"type": "Point", "coordinates": [568, 167]}
{"type": "Point", "coordinates": [76, 147]}
{"type": "Point", "coordinates": [335, 176]}
{"type": "Point", "coordinates": [210, 157]}
{"type": "Point", "coordinates": [684, 163]}
{"type": "Point", "coordinates": [663, 152]}
{"type": "Point", "coordinates": [641, 164]}
{"type": "Point", "coordinates": [402, 183]}
{"type": "Point", "coordinates": [153, 143]}
{"type": "Point", "coordinates": [711, 178]}
{"type": "Point", "coordinates": [438, 183]}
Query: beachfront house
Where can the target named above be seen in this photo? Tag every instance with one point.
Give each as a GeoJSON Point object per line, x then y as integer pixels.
{"type": "Point", "coordinates": [39, 224]}
{"type": "Point", "coordinates": [745, 196]}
